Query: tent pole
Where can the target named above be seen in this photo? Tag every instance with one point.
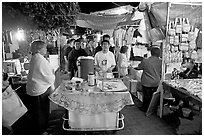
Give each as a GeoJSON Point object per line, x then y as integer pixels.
{"type": "Point", "coordinates": [163, 60]}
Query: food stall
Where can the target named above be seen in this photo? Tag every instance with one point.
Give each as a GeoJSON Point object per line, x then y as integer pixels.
{"type": "Point", "coordinates": [93, 108]}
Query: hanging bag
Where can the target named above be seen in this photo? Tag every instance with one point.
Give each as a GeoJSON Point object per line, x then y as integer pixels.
{"type": "Point", "coordinates": [12, 107]}
{"type": "Point", "coordinates": [176, 40]}
{"type": "Point", "coordinates": [183, 46]}
{"type": "Point", "coordinates": [192, 44]}
{"type": "Point", "coordinates": [191, 35]}
{"type": "Point", "coordinates": [171, 30]}
{"type": "Point", "coordinates": [186, 25]}
{"type": "Point", "coordinates": [178, 25]}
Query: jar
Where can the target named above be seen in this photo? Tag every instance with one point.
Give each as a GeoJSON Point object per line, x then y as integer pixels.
{"type": "Point", "coordinates": [78, 85]}
{"type": "Point", "coordinates": [91, 79]}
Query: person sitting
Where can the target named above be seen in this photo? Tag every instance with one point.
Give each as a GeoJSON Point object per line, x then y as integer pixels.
{"type": "Point", "coordinates": [73, 56]}
{"type": "Point", "coordinates": [104, 60]}
{"type": "Point", "coordinates": [191, 71]}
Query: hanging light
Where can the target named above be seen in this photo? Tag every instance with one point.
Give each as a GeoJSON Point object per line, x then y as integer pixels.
{"type": "Point", "coordinates": [20, 35]}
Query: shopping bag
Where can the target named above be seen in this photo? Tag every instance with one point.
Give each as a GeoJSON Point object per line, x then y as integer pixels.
{"type": "Point", "coordinates": [171, 30]}
{"type": "Point", "coordinates": [12, 107]}
{"type": "Point", "coordinates": [186, 25]}
{"type": "Point", "coordinates": [178, 24]}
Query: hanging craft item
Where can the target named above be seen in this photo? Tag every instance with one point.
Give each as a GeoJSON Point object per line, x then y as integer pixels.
{"type": "Point", "coordinates": [183, 46]}
{"type": "Point", "coordinates": [178, 25]}
{"type": "Point", "coordinates": [192, 44]}
{"type": "Point", "coordinates": [191, 35]}
{"type": "Point", "coordinates": [171, 30]}
{"type": "Point", "coordinates": [171, 39]}
{"type": "Point", "coordinates": [184, 37]}
{"type": "Point", "coordinates": [176, 40]}
{"type": "Point", "coordinates": [186, 25]}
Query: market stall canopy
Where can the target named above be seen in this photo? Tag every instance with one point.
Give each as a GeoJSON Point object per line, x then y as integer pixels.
{"type": "Point", "coordinates": [105, 22]}
{"type": "Point", "coordinates": [192, 11]}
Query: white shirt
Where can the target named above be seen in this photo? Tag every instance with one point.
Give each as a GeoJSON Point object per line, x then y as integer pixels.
{"type": "Point", "coordinates": [122, 64]}
{"type": "Point", "coordinates": [104, 60]}
{"type": "Point", "coordinates": [40, 76]}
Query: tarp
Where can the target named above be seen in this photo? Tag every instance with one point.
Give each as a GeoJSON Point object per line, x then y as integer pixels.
{"type": "Point", "coordinates": [104, 22]}
{"type": "Point", "coordinates": [187, 10]}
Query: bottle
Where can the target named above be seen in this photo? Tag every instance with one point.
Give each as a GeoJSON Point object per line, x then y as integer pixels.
{"type": "Point", "coordinates": [91, 79]}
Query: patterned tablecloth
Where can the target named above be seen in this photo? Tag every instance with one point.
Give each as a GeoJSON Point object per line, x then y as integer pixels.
{"type": "Point", "coordinates": [91, 101]}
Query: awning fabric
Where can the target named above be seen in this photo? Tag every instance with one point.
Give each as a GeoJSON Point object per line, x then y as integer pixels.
{"type": "Point", "coordinates": [101, 22]}
{"type": "Point", "coordinates": [192, 12]}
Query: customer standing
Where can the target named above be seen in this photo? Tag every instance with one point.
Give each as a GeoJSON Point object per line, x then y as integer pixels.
{"type": "Point", "coordinates": [73, 56]}
{"type": "Point", "coordinates": [40, 84]}
{"type": "Point", "coordinates": [68, 49]}
{"type": "Point", "coordinates": [152, 69]}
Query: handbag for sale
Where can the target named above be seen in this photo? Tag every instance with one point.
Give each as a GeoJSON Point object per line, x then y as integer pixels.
{"type": "Point", "coordinates": [178, 25]}
{"type": "Point", "coordinates": [176, 40]}
{"type": "Point", "coordinates": [184, 37]}
{"type": "Point", "coordinates": [191, 35]}
{"type": "Point", "coordinates": [171, 39]}
{"type": "Point", "coordinates": [12, 107]}
{"type": "Point", "coordinates": [186, 25]}
{"type": "Point", "coordinates": [192, 44]}
{"type": "Point", "coordinates": [183, 46]}
{"type": "Point", "coordinates": [171, 30]}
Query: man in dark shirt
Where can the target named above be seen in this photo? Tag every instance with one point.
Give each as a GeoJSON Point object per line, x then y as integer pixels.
{"type": "Point", "coordinates": [67, 49]}
{"type": "Point", "coordinates": [99, 48]}
{"type": "Point", "coordinates": [73, 56]}
{"type": "Point", "coordinates": [152, 68]}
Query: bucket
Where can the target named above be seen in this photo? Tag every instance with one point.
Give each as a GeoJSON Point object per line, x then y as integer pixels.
{"type": "Point", "coordinates": [85, 66]}
{"type": "Point", "coordinates": [186, 112]}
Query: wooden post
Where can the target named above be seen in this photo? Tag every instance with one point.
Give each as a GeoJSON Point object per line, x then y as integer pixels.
{"type": "Point", "coordinates": [163, 61]}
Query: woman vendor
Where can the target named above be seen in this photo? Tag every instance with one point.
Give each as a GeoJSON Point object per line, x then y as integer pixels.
{"type": "Point", "coordinates": [191, 70]}
{"type": "Point", "coordinates": [39, 86]}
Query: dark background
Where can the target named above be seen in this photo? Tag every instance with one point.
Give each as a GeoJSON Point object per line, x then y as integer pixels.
{"type": "Point", "coordinates": [87, 7]}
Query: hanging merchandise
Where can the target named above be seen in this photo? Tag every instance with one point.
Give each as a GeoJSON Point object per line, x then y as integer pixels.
{"type": "Point", "coordinates": [183, 46]}
{"type": "Point", "coordinates": [184, 37]}
{"type": "Point", "coordinates": [192, 44]}
{"type": "Point", "coordinates": [186, 25]}
{"type": "Point", "coordinates": [176, 40]}
{"type": "Point", "coordinates": [191, 35]}
{"type": "Point", "coordinates": [171, 39]}
{"type": "Point", "coordinates": [178, 24]}
{"type": "Point", "coordinates": [199, 39]}
{"type": "Point", "coordinates": [194, 55]}
{"type": "Point", "coordinates": [171, 30]}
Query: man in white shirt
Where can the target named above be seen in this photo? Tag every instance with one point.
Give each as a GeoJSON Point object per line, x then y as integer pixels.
{"type": "Point", "coordinates": [105, 60]}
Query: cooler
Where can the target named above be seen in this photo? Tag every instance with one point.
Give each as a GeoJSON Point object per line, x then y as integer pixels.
{"type": "Point", "coordinates": [85, 66]}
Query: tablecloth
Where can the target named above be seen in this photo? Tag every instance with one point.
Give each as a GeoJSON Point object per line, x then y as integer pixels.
{"type": "Point", "coordinates": [91, 103]}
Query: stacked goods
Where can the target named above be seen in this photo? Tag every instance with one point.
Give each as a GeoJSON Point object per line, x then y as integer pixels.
{"type": "Point", "coordinates": [192, 86]}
